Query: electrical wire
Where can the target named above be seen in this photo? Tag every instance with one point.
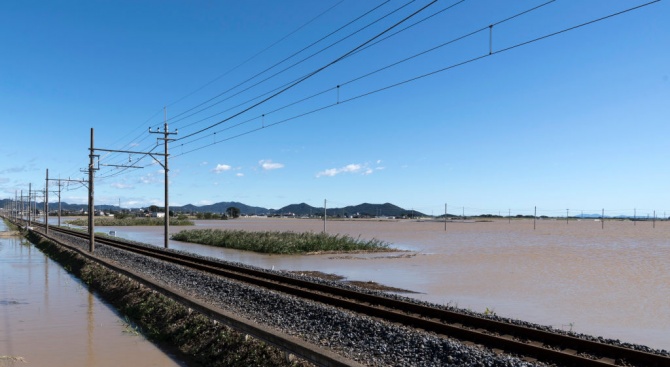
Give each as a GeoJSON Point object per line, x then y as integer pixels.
{"type": "Point", "coordinates": [406, 81]}
{"type": "Point", "coordinates": [176, 118]}
{"type": "Point", "coordinates": [310, 74]}
{"type": "Point", "coordinates": [380, 69]}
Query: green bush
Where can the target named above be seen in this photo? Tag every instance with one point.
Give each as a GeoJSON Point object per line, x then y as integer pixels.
{"type": "Point", "coordinates": [280, 242]}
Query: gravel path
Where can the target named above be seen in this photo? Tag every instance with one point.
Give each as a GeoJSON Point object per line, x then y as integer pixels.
{"type": "Point", "coordinates": [361, 338]}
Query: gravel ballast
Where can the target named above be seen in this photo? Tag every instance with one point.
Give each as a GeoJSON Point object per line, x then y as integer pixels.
{"type": "Point", "coordinates": [361, 338]}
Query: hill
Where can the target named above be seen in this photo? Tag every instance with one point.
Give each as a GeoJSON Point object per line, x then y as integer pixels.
{"type": "Point", "coordinates": [302, 209]}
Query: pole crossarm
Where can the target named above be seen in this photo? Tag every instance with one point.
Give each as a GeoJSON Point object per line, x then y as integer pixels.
{"type": "Point", "coordinates": [151, 154]}
{"type": "Point", "coordinates": [126, 151]}
{"type": "Point", "coordinates": [119, 165]}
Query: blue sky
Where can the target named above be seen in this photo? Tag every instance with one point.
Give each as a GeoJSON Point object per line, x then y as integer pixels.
{"type": "Point", "coordinates": [578, 120]}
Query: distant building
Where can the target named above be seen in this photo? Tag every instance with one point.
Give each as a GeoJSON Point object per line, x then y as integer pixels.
{"type": "Point", "coordinates": [157, 215]}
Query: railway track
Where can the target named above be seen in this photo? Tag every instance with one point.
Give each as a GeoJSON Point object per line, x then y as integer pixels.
{"type": "Point", "coordinates": [532, 344]}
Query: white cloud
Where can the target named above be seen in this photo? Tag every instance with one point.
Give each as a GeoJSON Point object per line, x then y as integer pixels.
{"type": "Point", "coordinates": [221, 168]}
{"type": "Point", "coordinates": [350, 168]}
{"type": "Point", "coordinates": [204, 163]}
{"type": "Point", "coordinates": [268, 165]}
{"type": "Point", "coordinates": [148, 178]}
{"type": "Point", "coordinates": [239, 174]}
{"type": "Point", "coordinates": [120, 185]}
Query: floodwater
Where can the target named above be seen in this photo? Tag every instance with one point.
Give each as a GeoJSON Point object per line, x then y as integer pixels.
{"type": "Point", "coordinates": [608, 279]}
{"type": "Point", "coordinates": [48, 318]}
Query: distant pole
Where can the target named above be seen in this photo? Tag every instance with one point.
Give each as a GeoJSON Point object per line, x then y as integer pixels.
{"type": "Point", "coordinates": [509, 215]}
{"type": "Point", "coordinates": [325, 211]}
{"type": "Point", "coordinates": [30, 202]}
{"type": "Point", "coordinates": [567, 215]}
{"type": "Point", "coordinates": [46, 205]}
{"type": "Point", "coordinates": [602, 219]}
{"type": "Point", "coordinates": [463, 215]}
{"type": "Point", "coordinates": [59, 203]}
{"type": "Point", "coordinates": [534, 218]}
{"type": "Point", "coordinates": [634, 216]}
{"type": "Point", "coordinates": [654, 221]}
{"type": "Point", "coordinates": [445, 217]}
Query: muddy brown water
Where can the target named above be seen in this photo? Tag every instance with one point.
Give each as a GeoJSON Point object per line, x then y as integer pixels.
{"type": "Point", "coordinates": [612, 282]}
{"type": "Point", "coordinates": [48, 318]}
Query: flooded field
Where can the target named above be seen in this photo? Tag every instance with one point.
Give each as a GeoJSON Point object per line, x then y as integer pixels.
{"type": "Point", "coordinates": [48, 318]}
{"type": "Point", "coordinates": [612, 281]}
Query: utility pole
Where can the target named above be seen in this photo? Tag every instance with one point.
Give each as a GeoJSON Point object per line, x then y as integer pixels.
{"type": "Point", "coordinates": [445, 217]}
{"type": "Point", "coordinates": [567, 215]}
{"type": "Point", "coordinates": [46, 204]}
{"type": "Point", "coordinates": [60, 187]}
{"type": "Point", "coordinates": [91, 205]}
{"type": "Point", "coordinates": [30, 203]}
{"type": "Point", "coordinates": [91, 195]}
{"type": "Point", "coordinates": [654, 222]}
{"type": "Point", "coordinates": [59, 205]}
{"type": "Point", "coordinates": [165, 139]}
{"type": "Point", "coordinates": [325, 214]}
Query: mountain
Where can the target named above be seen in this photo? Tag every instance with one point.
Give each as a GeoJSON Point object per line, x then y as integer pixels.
{"type": "Point", "coordinates": [300, 209]}
{"type": "Point", "coordinates": [221, 208]}
{"type": "Point", "coordinates": [361, 210]}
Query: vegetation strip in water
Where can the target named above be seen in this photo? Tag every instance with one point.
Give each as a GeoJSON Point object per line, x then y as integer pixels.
{"type": "Point", "coordinates": [109, 222]}
{"type": "Point", "coordinates": [198, 338]}
{"type": "Point", "coordinates": [274, 242]}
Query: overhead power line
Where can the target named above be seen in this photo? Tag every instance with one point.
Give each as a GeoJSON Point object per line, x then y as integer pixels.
{"type": "Point", "coordinates": [290, 66]}
{"type": "Point", "coordinates": [312, 73]}
{"type": "Point", "coordinates": [406, 81]}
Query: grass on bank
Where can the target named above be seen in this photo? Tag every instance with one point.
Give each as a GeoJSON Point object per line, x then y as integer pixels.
{"type": "Point", "coordinates": [131, 221]}
{"type": "Point", "coordinates": [280, 242]}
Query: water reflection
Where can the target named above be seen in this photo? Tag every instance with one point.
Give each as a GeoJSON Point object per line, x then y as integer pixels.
{"type": "Point", "coordinates": [49, 319]}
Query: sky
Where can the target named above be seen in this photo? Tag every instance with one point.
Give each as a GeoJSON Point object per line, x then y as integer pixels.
{"type": "Point", "coordinates": [416, 103]}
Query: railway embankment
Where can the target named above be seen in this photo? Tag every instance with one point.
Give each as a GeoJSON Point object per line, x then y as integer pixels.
{"type": "Point", "coordinates": [193, 337]}
{"type": "Point", "coordinates": [360, 339]}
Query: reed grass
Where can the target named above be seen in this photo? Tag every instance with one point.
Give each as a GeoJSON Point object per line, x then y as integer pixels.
{"type": "Point", "coordinates": [274, 242]}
